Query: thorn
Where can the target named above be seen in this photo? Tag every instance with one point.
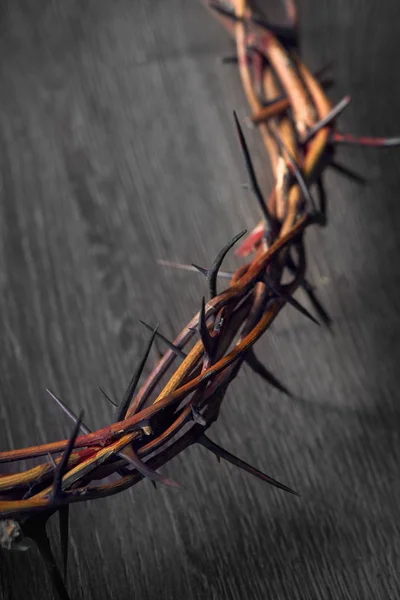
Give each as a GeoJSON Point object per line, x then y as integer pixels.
{"type": "Point", "coordinates": [193, 268]}
{"type": "Point", "coordinates": [197, 417]}
{"type": "Point", "coordinates": [85, 430]}
{"type": "Point", "coordinates": [146, 471]}
{"type": "Point", "coordinates": [308, 288]}
{"type": "Point", "coordinates": [170, 345]}
{"type": "Point", "coordinates": [255, 364]}
{"type": "Point", "coordinates": [348, 173]}
{"type": "Point", "coordinates": [322, 313]}
{"type": "Point", "coordinates": [252, 175]}
{"type": "Point", "coordinates": [322, 202]}
{"type": "Point", "coordinates": [126, 400]}
{"type": "Point", "coordinates": [52, 461]}
{"type": "Point", "coordinates": [63, 464]}
{"type": "Point", "coordinates": [36, 531]}
{"type": "Point", "coordinates": [376, 142]}
{"type": "Point", "coordinates": [206, 338]}
{"type": "Point", "coordinates": [212, 274]}
{"type": "Point", "coordinates": [201, 270]}
{"type": "Point", "coordinates": [297, 172]}
{"type": "Point", "coordinates": [222, 453]}
{"type": "Point", "coordinates": [336, 110]}
{"type": "Point", "coordinates": [107, 397]}
{"type": "Point", "coordinates": [293, 302]}
{"type": "Point", "coordinates": [154, 484]}
{"type": "Point", "coordinates": [63, 522]}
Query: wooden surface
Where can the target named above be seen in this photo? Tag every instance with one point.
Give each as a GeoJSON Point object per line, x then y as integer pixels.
{"type": "Point", "coordinates": [117, 148]}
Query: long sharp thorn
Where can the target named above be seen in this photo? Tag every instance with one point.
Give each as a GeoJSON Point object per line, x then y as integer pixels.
{"type": "Point", "coordinates": [107, 397]}
{"type": "Point", "coordinates": [375, 142]}
{"type": "Point", "coordinates": [39, 536]}
{"type": "Point", "coordinates": [307, 287]}
{"type": "Point", "coordinates": [296, 304]}
{"type": "Point", "coordinates": [126, 400]}
{"type": "Point", "coordinates": [203, 330]}
{"type": "Point", "coordinates": [336, 110]}
{"type": "Point", "coordinates": [254, 363]}
{"type": "Point", "coordinates": [213, 272]}
{"type": "Point", "coordinates": [252, 175]}
{"type": "Point", "coordinates": [146, 471]}
{"type": "Point", "coordinates": [293, 302]}
{"type": "Point", "coordinates": [222, 453]}
{"type": "Point", "coordinates": [85, 430]}
{"type": "Point", "coordinates": [322, 313]}
{"type": "Point", "coordinates": [63, 523]}
{"type": "Point", "coordinates": [348, 173]}
{"type": "Point", "coordinates": [193, 268]}
{"type": "Point", "coordinates": [63, 464]}
{"type": "Point", "coordinates": [170, 345]}
{"type": "Point", "coordinates": [297, 172]}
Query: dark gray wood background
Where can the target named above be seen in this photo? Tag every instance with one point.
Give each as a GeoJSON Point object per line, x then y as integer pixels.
{"type": "Point", "coordinates": [117, 147]}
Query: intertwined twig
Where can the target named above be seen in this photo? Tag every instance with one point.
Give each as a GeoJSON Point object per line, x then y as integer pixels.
{"type": "Point", "coordinates": [296, 120]}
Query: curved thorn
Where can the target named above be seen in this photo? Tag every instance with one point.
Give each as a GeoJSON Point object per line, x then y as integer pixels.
{"type": "Point", "coordinates": [222, 453]}
{"type": "Point", "coordinates": [126, 400]}
{"type": "Point", "coordinates": [206, 338]}
{"type": "Point", "coordinates": [212, 273]}
{"type": "Point", "coordinates": [107, 397]}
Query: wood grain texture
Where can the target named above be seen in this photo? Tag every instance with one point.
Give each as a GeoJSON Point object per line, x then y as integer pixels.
{"type": "Point", "coordinates": [117, 147]}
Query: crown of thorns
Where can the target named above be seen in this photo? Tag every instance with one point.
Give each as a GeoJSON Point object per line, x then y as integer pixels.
{"type": "Point", "coordinates": [297, 122]}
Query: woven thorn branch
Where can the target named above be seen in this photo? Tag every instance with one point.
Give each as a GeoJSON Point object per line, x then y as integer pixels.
{"type": "Point", "coordinates": [297, 123]}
